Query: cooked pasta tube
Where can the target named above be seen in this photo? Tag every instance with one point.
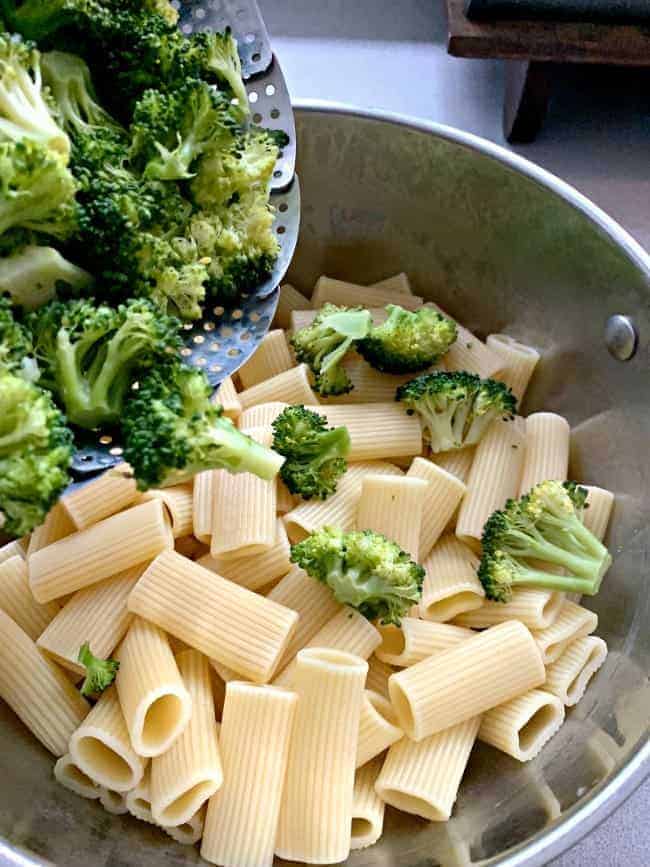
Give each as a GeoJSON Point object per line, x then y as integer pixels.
{"type": "Point", "coordinates": [330, 291]}
{"type": "Point", "coordinates": [399, 283]}
{"type": "Point", "coordinates": [393, 506]}
{"type": "Point", "coordinates": [138, 800]}
{"type": "Point", "coordinates": [261, 415]}
{"type": "Point", "coordinates": [377, 430]}
{"type": "Point", "coordinates": [111, 492]}
{"type": "Point", "coordinates": [189, 772]}
{"type": "Point", "coordinates": [189, 832]}
{"type": "Point", "coordinates": [70, 776]}
{"type": "Point", "coordinates": [97, 615]}
{"type": "Point", "coordinates": [572, 622]}
{"type": "Point", "coordinates": [227, 398]}
{"type": "Point", "coordinates": [423, 778]}
{"type": "Point", "coordinates": [286, 501]}
{"type": "Point", "coordinates": [228, 623]}
{"type": "Point", "coordinates": [518, 362]}
{"type": "Point", "coordinates": [202, 496]}
{"type": "Point", "coordinates": [291, 386]}
{"type": "Point", "coordinates": [271, 357]}
{"type": "Point", "coordinates": [537, 609]}
{"type": "Point", "coordinates": [443, 495]}
{"type": "Point", "coordinates": [493, 477]}
{"type": "Point", "coordinates": [340, 509]}
{"type": "Point", "coordinates": [299, 319]}
{"type": "Point", "coordinates": [368, 385]}
{"type": "Point", "coordinates": [256, 570]}
{"type": "Point", "coordinates": [378, 674]}
{"type": "Point", "coordinates": [547, 450]}
{"type": "Point", "coordinates": [480, 673]}
{"type": "Point", "coordinates": [113, 802]}
{"type": "Point", "coordinates": [378, 727]}
{"type": "Point", "coordinates": [316, 813]}
{"type": "Point", "coordinates": [110, 546]}
{"type": "Point", "coordinates": [457, 462]}
{"type": "Point", "coordinates": [569, 676]}
{"type": "Point", "coordinates": [12, 549]}
{"type": "Point", "coordinates": [36, 690]}
{"type": "Point", "coordinates": [57, 525]}
{"type": "Point", "coordinates": [179, 501]}
{"type": "Point", "coordinates": [522, 726]}
{"type": "Point", "coordinates": [156, 705]}
{"type": "Point", "coordinates": [348, 631]}
{"type": "Point", "coordinates": [367, 806]}
{"type": "Point", "coordinates": [450, 586]}
{"type": "Point", "coordinates": [598, 510]}
{"type": "Point", "coordinates": [17, 601]}
{"type": "Point", "coordinates": [242, 818]}
{"type": "Point", "coordinates": [290, 299]}
{"type": "Point", "coordinates": [469, 353]}
{"type": "Point", "coordinates": [416, 640]}
{"type": "Point", "coordinates": [101, 747]}
{"type": "Point", "coordinates": [244, 520]}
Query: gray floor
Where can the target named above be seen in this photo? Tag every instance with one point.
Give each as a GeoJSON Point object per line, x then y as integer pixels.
{"type": "Point", "coordinates": [597, 137]}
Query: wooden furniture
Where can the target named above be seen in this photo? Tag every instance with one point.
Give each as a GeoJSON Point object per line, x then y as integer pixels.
{"type": "Point", "coordinates": [531, 48]}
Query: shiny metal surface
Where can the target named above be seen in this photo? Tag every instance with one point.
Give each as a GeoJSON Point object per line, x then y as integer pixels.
{"type": "Point", "coordinates": [505, 247]}
{"type": "Point", "coordinates": [621, 337]}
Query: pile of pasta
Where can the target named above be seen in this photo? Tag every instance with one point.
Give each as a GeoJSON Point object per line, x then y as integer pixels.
{"type": "Point", "coordinates": [251, 710]}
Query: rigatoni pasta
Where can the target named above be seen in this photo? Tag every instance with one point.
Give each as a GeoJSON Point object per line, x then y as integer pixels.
{"type": "Point", "coordinates": [443, 495]}
{"type": "Point", "coordinates": [378, 727]}
{"type": "Point", "coordinates": [113, 802]}
{"type": "Point", "coordinates": [457, 461]}
{"type": "Point", "coordinates": [367, 807]}
{"type": "Point", "coordinates": [415, 640]}
{"type": "Point", "coordinates": [569, 676]}
{"type": "Point", "coordinates": [518, 362]}
{"type": "Point", "coordinates": [57, 525]}
{"type": "Point", "coordinates": [547, 450]}
{"type": "Point", "coordinates": [469, 353]}
{"type": "Point", "coordinates": [189, 832]}
{"type": "Point", "coordinates": [598, 509]}
{"type": "Point", "coordinates": [378, 431]}
{"type": "Point", "coordinates": [227, 398]}
{"type": "Point", "coordinates": [522, 726]}
{"type": "Point", "coordinates": [138, 800]}
{"type": "Point", "coordinates": [73, 778]}
{"type": "Point", "coordinates": [573, 621]}
{"type": "Point", "coordinates": [179, 502]}
{"type": "Point", "coordinates": [255, 570]}
{"type": "Point", "coordinates": [378, 675]}
{"type": "Point", "coordinates": [17, 601]}
{"type": "Point", "coordinates": [261, 415]}
{"type": "Point", "coordinates": [393, 506]}
{"type": "Point", "coordinates": [111, 492]}
{"type": "Point", "coordinates": [450, 587]}
{"type": "Point", "coordinates": [536, 609]}
{"type": "Point", "coordinates": [291, 386]}
{"type": "Point", "coordinates": [399, 283]}
{"type": "Point", "coordinates": [271, 357]}
{"type": "Point", "coordinates": [290, 299]}
{"type": "Point", "coordinates": [330, 291]}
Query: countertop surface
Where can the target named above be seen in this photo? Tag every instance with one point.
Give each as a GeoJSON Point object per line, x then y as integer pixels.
{"type": "Point", "coordinates": [597, 137]}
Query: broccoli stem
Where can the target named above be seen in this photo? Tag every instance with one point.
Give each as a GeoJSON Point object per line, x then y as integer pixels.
{"type": "Point", "coordinates": [590, 564]}
{"type": "Point", "coordinates": [565, 583]}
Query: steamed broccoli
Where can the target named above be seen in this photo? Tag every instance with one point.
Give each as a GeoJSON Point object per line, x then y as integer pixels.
{"type": "Point", "coordinates": [91, 354]}
{"type": "Point", "coordinates": [214, 57]}
{"type": "Point", "coordinates": [325, 342]}
{"type": "Point", "coordinates": [16, 350]}
{"type": "Point", "coordinates": [408, 341]}
{"type": "Point", "coordinates": [36, 190]}
{"type": "Point", "coordinates": [364, 570]}
{"type": "Point", "coordinates": [24, 112]}
{"type": "Point", "coordinates": [542, 527]}
{"type": "Point", "coordinates": [172, 431]}
{"type": "Point", "coordinates": [33, 275]}
{"type": "Point", "coordinates": [100, 673]}
{"type": "Point", "coordinates": [456, 408]}
{"type": "Point", "coordinates": [315, 454]}
{"type": "Point", "coordinates": [35, 453]}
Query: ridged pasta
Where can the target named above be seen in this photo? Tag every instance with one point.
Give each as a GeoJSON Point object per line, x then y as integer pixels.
{"type": "Point", "coordinates": [464, 681]}
{"type": "Point", "coordinates": [110, 546]}
{"type": "Point", "coordinates": [262, 415]}
{"type": "Point", "coordinates": [111, 492]}
{"type": "Point", "coordinates": [416, 640]}
{"type": "Point", "coordinates": [179, 501]}
{"type": "Point", "coordinates": [190, 771]}
{"type": "Point", "coordinates": [378, 727]}
{"type": "Point", "coordinates": [536, 609]}
{"type": "Point", "coordinates": [57, 525]}
{"type": "Point", "coordinates": [256, 570]}
{"type": "Point", "coordinates": [12, 549]}
{"type": "Point", "coordinates": [393, 506]}
{"type": "Point", "coordinates": [367, 806]}
{"type": "Point", "coordinates": [202, 496]}
{"type": "Point", "coordinates": [271, 357]}
{"type": "Point", "coordinates": [138, 800]}
{"type": "Point", "coordinates": [97, 615]}
{"type": "Point", "coordinates": [599, 505]}
{"type": "Point", "coordinates": [450, 586]}
{"type": "Point", "coordinates": [368, 385]}
{"type": "Point", "coordinates": [330, 291]}
{"type": "Point", "coordinates": [522, 726]}
{"type": "Point", "coordinates": [227, 623]}
{"type": "Point", "coordinates": [458, 462]}
{"type": "Point", "coordinates": [468, 352]}
{"type": "Point", "coordinates": [189, 832]}
{"type": "Point", "coordinates": [378, 674]}
{"type": "Point", "coordinates": [573, 621]}
{"type": "Point", "coordinates": [547, 450]}
{"type": "Point", "coordinates": [443, 495]}
{"type": "Point", "coordinates": [227, 398]}
{"type": "Point", "coordinates": [316, 813]}
{"type": "Point", "coordinates": [291, 386]}
{"type": "Point", "coordinates": [36, 690]}
{"type": "Point", "coordinates": [113, 802]}
{"type": "Point", "coordinates": [398, 283]}
{"type": "Point", "coordinates": [156, 705]}
{"type": "Point", "coordinates": [377, 430]}
{"type": "Point", "coordinates": [518, 362]}
{"type": "Point", "coordinates": [17, 601]}
{"type": "Point", "coordinates": [290, 299]}
{"type": "Point", "coordinates": [569, 676]}
{"type": "Point", "coordinates": [242, 818]}
{"type": "Point", "coordinates": [286, 501]}
{"type": "Point", "coordinates": [423, 778]}
{"type": "Point", "coordinates": [73, 778]}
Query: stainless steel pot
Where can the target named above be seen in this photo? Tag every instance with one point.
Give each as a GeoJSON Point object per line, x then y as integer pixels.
{"type": "Point", "coordinates": [504, 246]}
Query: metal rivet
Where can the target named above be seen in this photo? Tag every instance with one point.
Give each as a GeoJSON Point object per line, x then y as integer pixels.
{"type": "Point", "coordinates": [621, 337]}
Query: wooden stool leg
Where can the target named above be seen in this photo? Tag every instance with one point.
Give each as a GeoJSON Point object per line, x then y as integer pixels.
{"type": "Point", "coordinates": [527, 92]}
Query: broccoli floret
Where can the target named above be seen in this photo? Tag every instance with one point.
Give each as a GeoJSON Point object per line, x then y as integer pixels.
{"type": "Point", "coordinates": [91, 354]}
{"type": "Point", "coordinates": [36, 190]}
{"type": "Point", "coordinates": [35, 453]}
{"type": "Point", "coordinates": [542, 527]}
{"type": "Point", "coordinates": [24, 113]}
{"type": "Point", "coordinates": [172, 431]}
{"type": "Point", "coordinates": [325, 342]}
{"type": "Point", "coordinates": [16, 350]}
{"type": "Point", "coordinates": [315, 454]}
{"type": "Point", "coordinates": [100, 673]}
{"type": "Point", "coordinates": [170, 131]}
{"type": "Point", "coordinates": [408, 341]}
{"type": "Point", "coordinates": [214, 57]}
{"type": "Point", "coordinates": [364, 570]}
{"type": "Point", "coordinates": [456, 408]}
{"type": "Point", "coordinates": [33, 275]}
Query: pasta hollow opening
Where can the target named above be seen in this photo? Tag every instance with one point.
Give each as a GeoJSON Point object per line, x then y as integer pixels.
{"type": "Point", "coordinates": [413, 804]}
{"type": "Point", "coordinates": [393, 642]}
{"type": "Point", "coordinates": [162, 718]}
{"type": "Point", "coordinates": [551, 608]}
{"type": "Point", "coordinates": [447, 608]}
{"type": "Point", "coordinates": [578, 683]}
{"type": "Point", "coordinates": [190, 800]}
{"type": "Point", "coordinates": [537, 727]}
{"type": "Point", "coordinates": [402, 708]}
{"type": "Point", "coordinates": [383, 707]}
{"type": "Point", "coordinates": [76, 775]}
{"type": "Point", "coordinates": [186, 828]}
{"type": "Point", "coordinates": [361, 827]}
{"type": "Point", "coordinates": [295, 532]}
{"type": "Point", "coordinates": [142, 804]}
{"type": "Point", "coordinates": [104, 761]}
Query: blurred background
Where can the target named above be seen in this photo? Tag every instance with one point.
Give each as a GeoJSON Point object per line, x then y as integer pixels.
{"type": "Point", "coordinates": [393, 56]}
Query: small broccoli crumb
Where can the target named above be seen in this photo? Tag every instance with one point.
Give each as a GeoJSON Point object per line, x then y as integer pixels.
{"type": "Point", "coordinates": [100, 673]}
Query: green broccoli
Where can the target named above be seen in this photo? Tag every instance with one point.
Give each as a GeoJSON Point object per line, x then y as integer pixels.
{"type": "Point", "coordinates": [315, 454]}
{"type": "Point", "coordinates": [24, 112]}
{"type": "Point", "coordinates": [170, 131]}
{"type": "Point", "coordinates": [16, 350]}
{"type": "Point", "coordinates": [36, 190]}
{"type": "Point", "coordinates": [91, 354]}
{"type": "Point", "coordinates": [172, 431]}
{"type": "Point", "coordinates": [456, 408]}
{"type": "Point", "coordinates": [33, 274]}
{"type": "Point", "coordinates": [408, 341]}
{"type": "Point", "coordinates": [542, 527]}
{"type": "Point", "coordinates": [35, 453]}
{"type": "Point", "coordinates": [326, 341]}
{"type": "Point", "coordinates": [100, 673]}
{"type": "Point", "coordinates": [364, 570]}
{"type": "Point", "coordinates": [214, 57]}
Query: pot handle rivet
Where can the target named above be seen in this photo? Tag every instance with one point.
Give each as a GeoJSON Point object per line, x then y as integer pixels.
{"type": "Point", "coordinates": [621, 337]}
